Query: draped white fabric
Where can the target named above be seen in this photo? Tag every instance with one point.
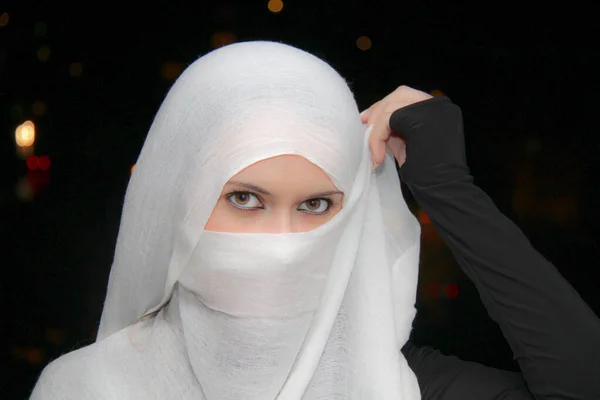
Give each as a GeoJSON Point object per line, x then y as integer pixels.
{"type": "Point", "coordinates": [313, 315]}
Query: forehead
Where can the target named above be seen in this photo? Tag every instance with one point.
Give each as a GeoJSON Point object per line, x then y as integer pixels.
{"type": "Point", "coordinates": [286, 172]}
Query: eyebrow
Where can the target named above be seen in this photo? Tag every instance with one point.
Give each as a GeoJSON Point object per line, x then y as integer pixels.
{"type": "Point", "coordinates": [267, 193]}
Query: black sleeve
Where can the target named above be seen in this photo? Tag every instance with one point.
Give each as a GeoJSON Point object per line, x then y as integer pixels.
{"type": "Point", "coordinates": [554, 335]}
{"type": "Point", "coordinates": [443, 377]}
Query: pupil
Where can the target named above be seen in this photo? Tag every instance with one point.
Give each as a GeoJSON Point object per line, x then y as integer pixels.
{"type": "Point", "coordinates": [242, 198]}
{"type": "Point", "coordinates": [313, 204]}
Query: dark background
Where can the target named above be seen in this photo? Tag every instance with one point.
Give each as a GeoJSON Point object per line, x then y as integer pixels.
{"type": "Point", "coordinates": [91, 79]}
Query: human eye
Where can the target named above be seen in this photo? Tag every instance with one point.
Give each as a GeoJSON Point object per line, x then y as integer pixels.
{"type": "Point", "coordinates": [316, 206]}
{"type": "Point", "coordinates": [244, 200]}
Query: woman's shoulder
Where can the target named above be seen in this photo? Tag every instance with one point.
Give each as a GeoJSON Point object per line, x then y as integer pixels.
{"type": "Point", "coordinates": [130, 364]}
{"type": "Point", "coordinates": [72, 375]}
{"type": "Point", "coordinates": [91, 371]}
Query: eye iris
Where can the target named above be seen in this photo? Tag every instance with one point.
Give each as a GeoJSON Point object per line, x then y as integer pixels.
{"type": "Point", "coordinates": [242, 198]}
{"type": "Point", "coordinates": [313, 204]}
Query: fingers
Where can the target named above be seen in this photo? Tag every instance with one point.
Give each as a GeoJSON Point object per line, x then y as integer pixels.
{"type": "Point", "coordinates": [378, 118]}
{"type": "Point", "coordinates": [377, 131]}
{"type": "Point", "coordinates": [398, 147]}
{"type": "Point", "coordinates": [365, 115]}
{"type": "Point", "coordinates": [382, 139]}
{"type": "Point", "coordinates": [377, 143]}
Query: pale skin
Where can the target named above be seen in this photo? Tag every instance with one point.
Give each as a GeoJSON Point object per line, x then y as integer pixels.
{"type": "Point", "coordinates": [288, 193]}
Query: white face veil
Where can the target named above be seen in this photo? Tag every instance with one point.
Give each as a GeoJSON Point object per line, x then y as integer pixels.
{"type": "Point", "coordinates": [320, 314]}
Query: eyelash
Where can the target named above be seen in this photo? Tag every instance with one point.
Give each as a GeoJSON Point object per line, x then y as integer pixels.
{"type": "Point", "coordinates": [229, 195]}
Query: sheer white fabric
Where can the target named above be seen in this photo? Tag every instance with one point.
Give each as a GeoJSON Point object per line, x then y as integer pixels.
{"type": "Point", "coordinates": [314, 315]}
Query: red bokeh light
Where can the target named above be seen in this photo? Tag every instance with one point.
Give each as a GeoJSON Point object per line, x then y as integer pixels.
{"type": "Point", "coordinates": [44, 163]}
{"type": "Point", "coordinates": [34, 356]}
{"type": "Point", "coordinates": [451, 290]}
{"type": "Point", "coordinates": [33, 163]}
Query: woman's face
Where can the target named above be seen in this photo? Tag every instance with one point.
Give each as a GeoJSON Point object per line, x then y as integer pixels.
{"type": "Point", "coordinates": [279, 195]}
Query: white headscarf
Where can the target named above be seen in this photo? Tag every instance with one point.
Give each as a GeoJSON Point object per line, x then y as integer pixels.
{"type": "Point", "coordinates": [315, 315]}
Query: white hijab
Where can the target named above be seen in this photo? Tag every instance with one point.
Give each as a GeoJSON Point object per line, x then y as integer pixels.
{"type": "Point", "coordinates": [315, 315]}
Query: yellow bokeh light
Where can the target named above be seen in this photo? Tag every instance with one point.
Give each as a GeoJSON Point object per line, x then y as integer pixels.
{"type": "Point", "coordinates": [75, 69]}
{"type": "Point", "coordinates": [24, 152]}
{"type": "Point", "coordinates": [132, 168]}
{"type": "Point", "coordinates": [25, 134]}
{"type": "Point", "coordinates": [436, 92]}
{"type": "Point", "coordinates": [24, 190]}
{"type": "Point", "coordinates": [43, 53]}
{"type": "Point", "coordinates": [275, 6]}
{"type": "Point", "coordinates": [38, 107]}
{"type": "Point", "coordinates": [363, 43]}
{"type": "Point", "coordinates": [4, 18]}
{"type": "Point", "coordinates": [220, 39]}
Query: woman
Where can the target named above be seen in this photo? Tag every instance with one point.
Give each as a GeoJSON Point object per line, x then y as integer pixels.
{"type": "Point", "coordinates": [261, 255]}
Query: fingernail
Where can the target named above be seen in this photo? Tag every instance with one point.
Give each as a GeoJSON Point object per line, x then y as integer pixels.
{"type": "Point", "coordinates": [374, 166]}
{"type": "Point", "coordinates": [362, 114]}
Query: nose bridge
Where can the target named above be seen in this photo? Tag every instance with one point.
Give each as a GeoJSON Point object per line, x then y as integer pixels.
{"type": "Point", "coordinates": [282, 220]}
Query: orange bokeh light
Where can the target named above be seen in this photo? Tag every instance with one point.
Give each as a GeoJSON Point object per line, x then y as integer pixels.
{"type": "Point", "coordinates": [364, 43]}
{"type": "Point", "coordinates": [275, 6]}
{"type": "Point", "coordinates": [424, 218]}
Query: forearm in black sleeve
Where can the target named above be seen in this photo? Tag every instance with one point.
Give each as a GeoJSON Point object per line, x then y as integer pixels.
{"type": "Point", "coordinates": [554, 335]}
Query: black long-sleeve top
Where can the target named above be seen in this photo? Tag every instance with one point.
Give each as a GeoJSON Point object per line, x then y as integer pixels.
{"type": "Point", "coordinates": [554, 335]}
